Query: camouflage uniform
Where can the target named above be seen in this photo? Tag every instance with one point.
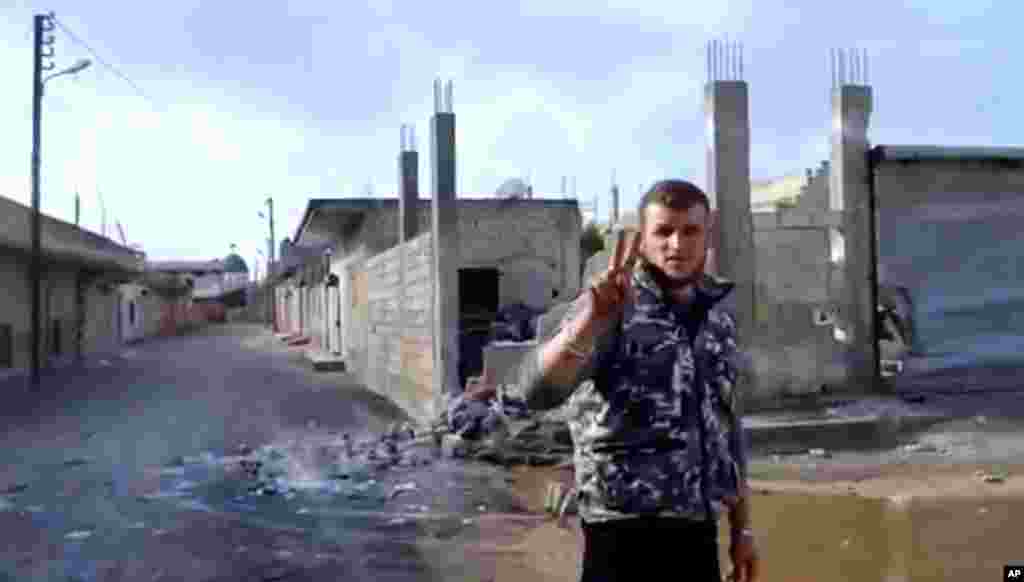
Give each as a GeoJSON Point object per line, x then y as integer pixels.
{"type": "Point", "coordinates": [654, 418]}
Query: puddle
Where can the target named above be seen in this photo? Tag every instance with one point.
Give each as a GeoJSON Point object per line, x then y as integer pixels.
{"type": "Point", "coordinates": [807, 538]}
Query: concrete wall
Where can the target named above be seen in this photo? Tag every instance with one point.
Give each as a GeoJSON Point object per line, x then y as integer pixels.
{"type": "Point", "coordinates": [792, 353]}
{"type": "Point", "coordinates": [391, 314]}
{"type": "Point", "coordinates": [534, 247]}
{"type": "Point", "coordinates": [59, 305]}
{"type": "Point", "coordinates": [15, 307]}
{"type": "Point", "coordinates": [950, 236]}
{"type": "Point", "coordinates": [101, 335]}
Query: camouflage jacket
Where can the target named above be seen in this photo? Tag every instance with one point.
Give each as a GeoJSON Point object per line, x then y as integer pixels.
{"type": "Point", "coordinates": [654, 418]}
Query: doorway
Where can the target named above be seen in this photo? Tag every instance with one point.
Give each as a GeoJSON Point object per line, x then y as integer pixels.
{"type": "Point", "coordinates": [478, 304]}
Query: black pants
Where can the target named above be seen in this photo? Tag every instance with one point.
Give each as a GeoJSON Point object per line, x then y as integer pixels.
{"type": "Point", "coordinates": [650, 548]}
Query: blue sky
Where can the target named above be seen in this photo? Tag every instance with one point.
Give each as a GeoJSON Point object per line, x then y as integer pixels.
{"type": "Point", "coordinates": [305, 99]}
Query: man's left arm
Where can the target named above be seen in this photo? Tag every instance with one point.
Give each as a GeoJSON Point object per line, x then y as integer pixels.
{"type": "Point", "coordinates": [739, 513]}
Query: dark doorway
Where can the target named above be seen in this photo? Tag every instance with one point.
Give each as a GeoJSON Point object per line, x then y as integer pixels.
{"type": "Point", "coordinates": [58, 342]}
{"type": "Point", "coordinates": [6, 345]}
{"type": "Point", "coordinates": [478, 304]}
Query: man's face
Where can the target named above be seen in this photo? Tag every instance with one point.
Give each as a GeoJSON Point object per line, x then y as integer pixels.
{"type": "Point", "coordinates": [675, 241]}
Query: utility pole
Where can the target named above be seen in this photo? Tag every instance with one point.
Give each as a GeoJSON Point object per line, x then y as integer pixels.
{"type": "Point", "coordinates": [43, 24]}
{"type": "Point", "coordinates": [271, 304]}
{"type": "Point", "coordinates": [78, 208]}
{"type": "Point", "coordinates": [103, 215]}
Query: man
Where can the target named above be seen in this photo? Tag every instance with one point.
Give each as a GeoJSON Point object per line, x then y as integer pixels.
{"type": "Point", "coordinates": [656, 429]}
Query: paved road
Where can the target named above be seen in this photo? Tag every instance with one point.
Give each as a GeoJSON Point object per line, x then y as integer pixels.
{"type": "Point", "coordinates": [122, 470]}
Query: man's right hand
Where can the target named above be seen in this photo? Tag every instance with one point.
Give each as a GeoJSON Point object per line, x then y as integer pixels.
{"type": "Point", "coordinates": [611, 289]}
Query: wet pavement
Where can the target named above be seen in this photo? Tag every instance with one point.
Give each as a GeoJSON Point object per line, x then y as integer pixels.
{"type": "Point", "coordinates": [220, 456]}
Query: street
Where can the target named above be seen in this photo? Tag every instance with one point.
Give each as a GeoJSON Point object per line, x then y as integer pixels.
{"type": "Point", "coordinates": [128, 469]}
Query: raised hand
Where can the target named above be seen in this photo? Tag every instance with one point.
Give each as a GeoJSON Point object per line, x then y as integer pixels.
{"type": "Point", "coordinates": [610, 290]}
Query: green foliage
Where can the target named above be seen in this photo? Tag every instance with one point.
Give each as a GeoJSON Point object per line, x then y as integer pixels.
{"type": "Point", "coordinates": [591, 240]}
{"type": "Point", "coordinates": [787, 202]}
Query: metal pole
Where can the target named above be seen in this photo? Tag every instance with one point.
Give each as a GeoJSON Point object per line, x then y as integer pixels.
{"type": "Point", "coordinates": [272, 319]}
{"type": "Point", "coordinates": [78, 208]}
{"type": "Point", "coordinates": [37, 263]}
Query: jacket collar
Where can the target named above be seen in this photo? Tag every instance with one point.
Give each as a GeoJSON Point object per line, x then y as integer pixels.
{"type": "Point", "coordinates": [709, 288]}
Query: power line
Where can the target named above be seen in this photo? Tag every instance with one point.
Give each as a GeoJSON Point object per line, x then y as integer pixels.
{"type": "Point", "coordinates": [100, 60]}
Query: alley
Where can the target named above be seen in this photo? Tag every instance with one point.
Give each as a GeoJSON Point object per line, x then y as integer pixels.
{"type": "Point", "coordinates": [128, 469]}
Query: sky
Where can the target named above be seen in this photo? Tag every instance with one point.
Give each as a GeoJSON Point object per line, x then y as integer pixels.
{"type": "Point", "coordinates": [228, 105]}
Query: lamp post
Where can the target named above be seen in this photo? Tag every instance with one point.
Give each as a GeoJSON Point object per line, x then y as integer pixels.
{"type": "Point", "coordinates": [43, 24]}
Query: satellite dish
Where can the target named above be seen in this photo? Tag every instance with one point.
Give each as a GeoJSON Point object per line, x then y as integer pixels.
{"type": "Point", "coordinates": [513, 188]}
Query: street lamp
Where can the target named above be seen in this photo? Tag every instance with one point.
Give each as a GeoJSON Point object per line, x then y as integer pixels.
{"type": "Point", "coordinates": [43, 24]}
{"type": "Point", "coordinates": [74, 69]}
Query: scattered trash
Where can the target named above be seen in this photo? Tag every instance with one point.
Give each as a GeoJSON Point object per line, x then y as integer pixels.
{"type": "Point", "coordinates": [80, 534]}
{"type": "Point", "coordinates": [302, 510]}
{"type": "Point", "coordinates": [981, 419]}
{"type": "Point", "coordinates": [845, 544]}
{"type": "Point", "coordinates": [820, 453]}
{"type": "Point", "coordinates": [994, 478]}
{"type": "Point", "coordinates": [76, 462]}
{"type": "Point", "coordinates": [398, 521]}
{"type": "Point", "coordinates": [921, 448]}
{"type": "Point", "coordinates": [401, 488]}
{"type": "Point", "coordinates": [481, 508]}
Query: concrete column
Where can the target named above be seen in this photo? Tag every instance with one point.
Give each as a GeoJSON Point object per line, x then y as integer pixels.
{"type": "Point", "coordinates": [726, 105]}
{"type": "Point", "coordinates": [408, 186]}
{"type": "Point", "coordinates": [850, 192]}
{"type": "Point", "coordinates": [444, 230]}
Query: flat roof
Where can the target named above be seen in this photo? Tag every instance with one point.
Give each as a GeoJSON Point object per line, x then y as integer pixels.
{"type": "Point", "coordinates": [213, 266]}
{"type": "Point", "coordinates": [925, 153]}
{"type": "Point", "coordinates": [64, 242]}
{"type": "Point", "coordinates": [356, 207]}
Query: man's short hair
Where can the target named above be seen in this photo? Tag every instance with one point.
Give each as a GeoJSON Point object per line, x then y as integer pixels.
{"type": "Point", "coordinates": [674, 194]}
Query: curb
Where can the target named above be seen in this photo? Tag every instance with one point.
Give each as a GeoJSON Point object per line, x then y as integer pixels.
{"type": "Point", "coordinates": [865, 433]}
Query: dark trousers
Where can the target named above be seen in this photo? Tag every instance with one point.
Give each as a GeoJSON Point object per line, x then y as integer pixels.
{"type": "Point", "coordinates": [650, 548]}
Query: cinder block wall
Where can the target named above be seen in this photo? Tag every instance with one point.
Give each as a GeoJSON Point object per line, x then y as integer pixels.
{"type": "Point", "coordinates": [792, 355]}
{"type": "Point", "coordinates": [534, 247]}
{"type": "Point", "coordinates": [398, 311]}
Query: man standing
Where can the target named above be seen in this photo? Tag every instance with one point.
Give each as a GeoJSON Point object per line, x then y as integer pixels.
{"type": "Point", "coordinates": [648, 362]}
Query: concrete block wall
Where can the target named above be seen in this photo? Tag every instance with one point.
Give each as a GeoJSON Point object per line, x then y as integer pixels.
{"type": "Point", "coordinates": [398, 361]}
{"type": "Point", "coordinates": [534, 247]}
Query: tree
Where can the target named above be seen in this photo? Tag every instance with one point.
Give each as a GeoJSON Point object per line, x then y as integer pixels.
{"type": "Point", "coordinates": [591, 243]}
